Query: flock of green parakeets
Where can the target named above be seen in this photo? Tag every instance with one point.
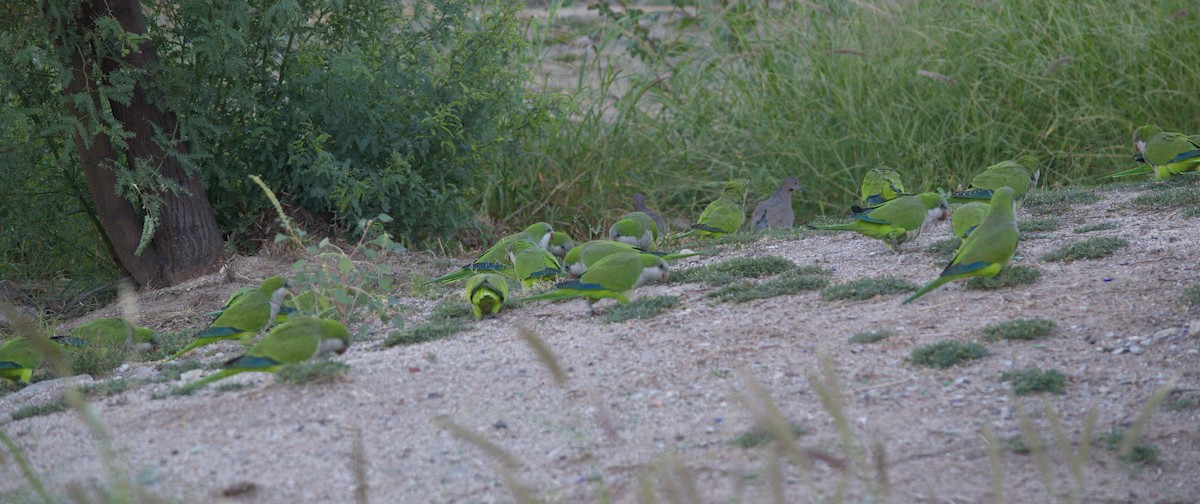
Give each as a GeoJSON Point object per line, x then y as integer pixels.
{"type": "Point", "coordinates": [984, 220]}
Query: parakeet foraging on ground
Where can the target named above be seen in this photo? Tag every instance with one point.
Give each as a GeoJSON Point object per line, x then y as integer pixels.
{"type": "Point", "coordinates": [578, 260]}
{"type": "Point", "coordinates": [637, 229]}
{"type": "Point", "coordinates": [496, 258]}
{"type": "Point", "coordinates": [560, 243]}
{"type": "Point", "coordinates": [486, 292]}
{"type": "Point", "coordinates": [110, 332]}
{"type": "Point", "coordinates": [964, 218]}
{"type": "Point", "coordinates": [298, 340]}
{"type": "Point", "coordinates": [881, 185]}
{"type": "Point", "coordinates": [533, 264]}
{"type": "Point", "coordinates": [612, 277]}
{"type": "Point", "coordinates": [897, 221]}
{"type": "Point", "coordinates": [1020, 174]}
{"type": "Point", "coordinates": [776, 212]}
{"type": "Point", "coordinates": [18, 359]}
{"type": "Point", "coordinates": [251, 314]}
{"type": "Point", "coordinates": [987, 249]}
{"type": "Point", "coordinates": [723, 216]}
{"type": "Point", "coordinates": [1168, 153]}
{"type": "Point", "coordinates": [639, 205]}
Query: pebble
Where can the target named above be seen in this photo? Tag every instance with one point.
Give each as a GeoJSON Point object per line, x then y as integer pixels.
{"type": "Point", "coordinates": [1118, 351]}
{"type": "Point", "coordinates": [1135, 349]}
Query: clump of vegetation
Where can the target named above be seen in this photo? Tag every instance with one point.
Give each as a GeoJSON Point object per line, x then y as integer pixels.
{"type": "Point", "coordinates": [1191, 295]}
{"type": "Point", "coordinates": [317, 371]}
{"type": "Point", "coordinates": [788, 283]}
{"type": "Point", "coordinates": [429, 331]}
{"type": "Point", "coordinates": [90, 390]}
{"type": "Point", "coordinates": [1039, 225]}
{"type": "Point", "coordinates": [452, 307]}
{"type": "Point", "coordinates": [1010, 276]}
{"type": "Point", "coordinates": [1057, 199]}
{"type": "Point", "coordinates": [35, 410]}
{"type": "Point", "coordinates": [1142, 453]}
{"type": "Point", "coordinates": [944, 249]}
{"type": "Point", "coordinates": [1099, 226]}
{"type": "Point", "coordinates": [641, 308]}
{"type": "Point", "coordinates": [732, 269]}
{"type": "Point", "coordinates": [1035, 381]}
{"type": "Point", "coordinates": [1022, 330]}
{"type": "Point", "coordinates": [872, 336]}
{"type": "Point", "coordinates": [758, 436]}
{"type": "Point", "coordinates": [1017, 445]}
{"type": "Point", "coordinates": [1166, 196]}
{"type": "Point", "coordinates": [1091, 248]}
{"type": "Point", "coordinates": [944, 354]}
{"type": "Point", "coordinates": [867, 288]}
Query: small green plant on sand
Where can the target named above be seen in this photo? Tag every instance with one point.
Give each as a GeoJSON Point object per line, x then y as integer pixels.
{"type": "Point", "coordinates": [1022, 329]}
{"type": "Point", "coordinates": [944, 354]}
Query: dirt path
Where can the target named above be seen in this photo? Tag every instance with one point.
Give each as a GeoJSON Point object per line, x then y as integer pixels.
{"type": "Point", "coordinates": [664, 392]}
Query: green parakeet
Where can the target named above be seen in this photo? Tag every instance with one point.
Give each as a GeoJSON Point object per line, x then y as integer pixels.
{"type": "Point", "coordinates": [987, 249]}
{"type": "Point", "coordinates": [560, 243]}
{"type": "Point", "coordinates": [723, 216]}
{"type": "Point", "coordinates": [18, 359]}
{"type": "Point", "coordinates": [251, 314]}
{"type": "Point", "coordinates": [612, 277]}
{"type": "Point", "coordinates": [300, 339]}
{"type": "Point", "coordinates": [496, 258]}
{"type": "Point", "coordinates": [1168, 153]}
{"type": "Point", "coordinates": [639, 205]}
{"type": "Point", "coordinates": [1020, 174]}
{"type": "Point", "coordinates": [284, 310]}
{"type": "Point", "coordinates": [964, 218]}
{"type": "Point", "coordinates": [897, 221]}
{"type": "Point", "coordinates": [635, 228]}
{"type": "Point", "coordinates": [881, 185]}
{"type": "Point", "coordinates": [578, 260]}
{"type": "Point", "coordinates": [776, 212]}
{"type": "Point", "coordinates": [486, 292]}
{"type": "Point", "coordinates": [533, 264]}
{"type": "Point", "coordinates": [111, 332]}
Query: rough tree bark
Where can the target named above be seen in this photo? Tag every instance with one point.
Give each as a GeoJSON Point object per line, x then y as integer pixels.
{"type": "Point", "coordinates": [187, 242]}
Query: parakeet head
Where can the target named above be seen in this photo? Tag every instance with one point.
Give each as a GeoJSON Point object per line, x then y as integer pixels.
{"type": "Point", "coordinates": [654, 269]}
{"type": "Point", "coordinates": [936, 205]}
{"type": "Point", "coordinates": [560, 244]}
{"type": "Point", "coordinates": [542, 233]}
{"type": "Point", "coordinates": [1142, 134]}
{"type": "Point", "coordinates": [1004, 196]}
{"type": "Point", "coordinates": [335, 337]}
{"type": "Point", "coordinates": [272, 284]}
{"type": "Point", "coordinates": [144, 335]}
{"type": "Point", "coordinates": [1029, 162]}
{"type": "Point", "coordinates": [735, 187]}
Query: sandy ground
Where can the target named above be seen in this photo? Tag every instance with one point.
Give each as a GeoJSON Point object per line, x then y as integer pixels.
{"type": "Point", "coordinates": [644, 395]}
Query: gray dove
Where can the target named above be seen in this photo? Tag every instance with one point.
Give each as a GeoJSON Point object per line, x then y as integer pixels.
{"type": "Point", "coordinates": [776, 212]}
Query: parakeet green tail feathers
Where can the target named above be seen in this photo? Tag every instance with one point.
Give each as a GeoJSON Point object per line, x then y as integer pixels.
{"type": "Point", "coordinates": [673, 257]}
{"type": "Point", "coordinates": [218, 332]}
{"type": "Point", "coordinates": [198, 384]}
{"type": "Point", "coordinates": [937, 282]}
{"type": "Point", "coordinates": [973, 194]}
{"type": "Point", "coordinates": [1130, 172]}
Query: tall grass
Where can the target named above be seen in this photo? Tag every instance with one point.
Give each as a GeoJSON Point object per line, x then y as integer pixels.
{"type": "Point", "coordinates": [827, 90]}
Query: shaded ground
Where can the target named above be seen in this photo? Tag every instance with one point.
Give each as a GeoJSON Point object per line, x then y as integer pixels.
{"type": "Point", "coordinates": [650, 395]}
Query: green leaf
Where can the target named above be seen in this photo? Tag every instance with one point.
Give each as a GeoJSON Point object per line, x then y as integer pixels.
{"type": "Point", "coordinates": [280, 237]}
{"type": "Point", "coordinates": [384, 218]}
{"type": "Point", "coordinates": [345, 266]}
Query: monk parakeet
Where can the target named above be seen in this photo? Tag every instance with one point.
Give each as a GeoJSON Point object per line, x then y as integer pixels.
{"type": "Point", "coordinates": [635, 228]}
{"type": "Point", "coordinates": [111, 332]}
{"type": "Point", "coordinates": [486, 292]}
{"type": "Point", "coordinates": [897, 221]}
{"type": "Point", "coordinates": [578, 260]}
{"type": "Point", "coordinates": [284, 310]}
{"type": "Point", "coordinates": [966, 217]}
{"type": "Point", "coordinates": [1020, 174]}
{"type": "Point", "coordinates": [881, 185]}
{"type": "Point", "coordinates": [987, 249]}
{"type": "Point", "coordinates": [639, 205]}
{"type": "Point", "coordinates": [496, 258]}
{"type": "Point", "coordinates": [560, 243]}
{"type": "Point", "coordinates": [533, 264]}
{"type": "Point", "coordinates": [776, 212]}
{"type": "Point", "coordinates": [251, 314]}
{"type": "Point", "coordinates": [612, 277]}
{"type": "Point", "coordinates": [1168, 153]}
{"type": "Point", "coordinates": [18, 359]}
{"type": "Point", "coordinates": [723, 216]}
{"type": "Point", "coordinates": [300, 339]}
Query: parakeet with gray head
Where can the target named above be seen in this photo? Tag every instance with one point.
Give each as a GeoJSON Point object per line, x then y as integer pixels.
{"type": "Point", "coordinates": [987, 249]}
{"type": "Point", "coordinates": [1168, 153]}
{"type": "Point", "coordinates": [18, 359]}
{"type": "Point", "coordinates": [639, 205]}
{"type": "Point", "coordinates": [897, 221]}
{"type": "Point", "coordinates": [637, 229]}
{"type": "Point", "coordinates": [612, 277]}
{"type": "Point", "coordinates": [1020, 174]}
{"type": "Point", "coordinates": [724, 215]}
{"type": "Point", "coordinates": [249, 315]}
{"type": "Point", "coordinates": [578, 260]}
{"type": "Point", "coordinates": [110, 332]}
{"type": "Point", "coordinates": [298, 340]}
{"type": "Point", "coordinates": [776, 211]}
{"type": "Point", "coordinates": [496, 259]}
{"type": "Point", "coordinates": [560, 243]}
{"type": "Point", "coordinates": [881, 185]}
{"type": "Point", "coordinates": [532, 264]}
{"type": "Point", "coordinates": [486, 292]}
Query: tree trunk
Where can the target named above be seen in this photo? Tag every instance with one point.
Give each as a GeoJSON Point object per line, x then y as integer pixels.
{"type": "Point", "coordinates": [187, 242]}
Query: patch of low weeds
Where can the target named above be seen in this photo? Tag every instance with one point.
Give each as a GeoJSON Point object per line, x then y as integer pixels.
{"type": "Point", "coordinates": [641, 308]}
{"type": "Point", "coordinates": [36, 410]}
{"type": "Point", "coordinates": [170, 342]}
{"type": "Point", "coordinates": [782, 285]}
{"type": "Point", "coordinates": [313, 372]}
{"type": "Point", "coordinates": [1042, 224]}
{"type": "Point", "coordinates": [1016, 444]}
{"type": "Point", "coordinates": [872, 336]}
{"type": "Point", "coordinates": [171, 371]}
{"type": "Point", "coordinates": [1163, 196]}
{"type": "Point", "coordinates": [428, 331]}
{"type": "Point", "coordinates": [1035, 381]}
{"type": "Point", "coordinates": [1021, 330]}
{"type": "Point", "coordinates": [758, 436]}
{"type": "Point", "coordinates": [944, 249]}
{"type": "Point", "coordinates": [1191, 295]}
{"type": "Point", "coordinates": [1010, 276]}
{"type": "Point", "coordinates": [1099, 226]}
{"type": "Point", "coordinates": [1052, 199]}
{"type": "Point", "coordinates": [1142, 453]}
{"type": "Point", "coordinates": [451, 308]}
{"type": "Point", "coordinates": [867, 288]}
{"type": "Point", "coordinates": [1091, 248]}
{"type": "Point", "coordinates": [732, 269]}
{"type": "Point", "coordinates": [944, 354]}
{"type": "Point", "coordinates": [1181, 404]}
{"type": "Point", "coordinates": [90, 390]}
